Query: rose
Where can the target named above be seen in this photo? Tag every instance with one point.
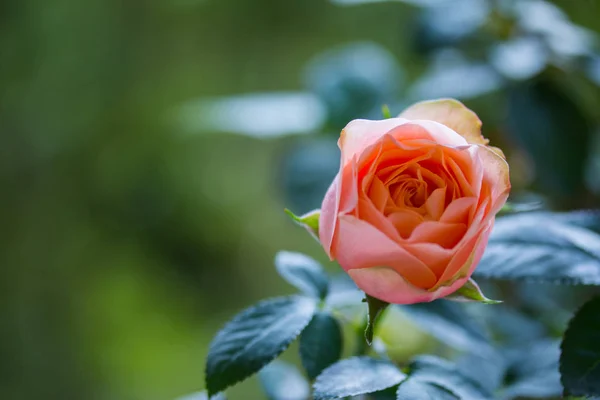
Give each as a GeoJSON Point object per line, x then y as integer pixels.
{"type": "Point", "coordinates": [409, 214]}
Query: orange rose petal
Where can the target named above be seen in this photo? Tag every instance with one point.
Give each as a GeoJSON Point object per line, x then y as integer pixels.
{"type": "Point", "coordinates": [368, 212]}
{"type": "Point", "coordinates": [451, 113]}
{"type": "Point", "coordinates": [433, 255]}
{"type": "Point", "coordinates": [360, 134]}
{"type": "Point", "coordinates": [467, 256]}
{"type": "Point", "coordinates": [459, 175]}
{"type": "Point", "coordinates": [445, 234]}
{"type": "Point", "coordinates": [496, 174]}
{"type": "Point", "coordinates": [327, 220]}
{"type": "Point", "coordinates": [378, 194]}
{"type": "Point", "coordinates": [436, 202]}
{"type": "Point", "coordinates": [361, 245]}
{"type": "Point", "coordinates": [458, 210]}
{"type": "Point", "coordinates": [405, 221]}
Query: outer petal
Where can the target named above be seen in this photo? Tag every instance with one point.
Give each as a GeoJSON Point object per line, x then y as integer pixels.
{"type": "Point", "coordinates": [428, 130]}
{"type": "Point", "coordinates": [452, 113]}
{"type": "Point", "coordinates": [386, 284]}
{"type": "Point", "coordinates": [328, 218]}
{"type": "Point", "coordinates": [361, 133]}
{"type": "Point", "coordinates": [359, 245]}
{"type": "Point", "coordinates": [496, 175]}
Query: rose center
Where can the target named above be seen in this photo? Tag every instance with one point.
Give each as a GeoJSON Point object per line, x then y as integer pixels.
{"type": "Point", "coordinates": [410, 192]}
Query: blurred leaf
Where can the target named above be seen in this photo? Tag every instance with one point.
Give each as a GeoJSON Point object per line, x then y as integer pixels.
{"type": "Point", "coordinates": [593, 69]}
{"type": "Point", "coordinates": [546, 20]}
{"type": "Point", "coordinates": [588, 219]}
{"type": "Point", "coordinates": [307, 171]}
{"type": "Point", "coordinates": [412, 389]}
{"type": "Point", "coordinates": [259, 114]}
{"type": "Point", "coordinates": [452, 75]}
{"type": "Point", "coordinates": [539, 247]}
{"type": "Point", "coordinates": [282, 381]}
{"type": "Point", "coordinates": [353, 81]}
{"type": "Point", "coordinates": [443, 373]}
{"type": "Point", "coordinates": [449, 23]}
{"type": "Point", "coordinates": [580, 357]}
{"type": "Point", "coordinates": [303, 272]}
{"type": "Point", "coordinates": [533, 370]}
{"type": "Point", "coordinates": [355, 376]}
{"type": "Point", "coordinates": [309, 221]}
{"type": "Point", "coordinates": [449, 323]}
{"type": "Point", "coordinates": [255, 337]}
{"type": "Point", "coordinates": [203, 396]}
{"type": "Point", "coordinates": [519, 59]}
{"type": "Point", "coordinates": [554, 132]}
{"type": "Point", "coordinates": [509, 325]}
{"type": "Point", "coordinates": [375, 308]}
{"type": "Point", "coordinates": [320, 344]}
{"type": "Point", "coordinates": [418, 3]}
{"type": "Point", "coordinates": [470, 292]}
{"type": "Point", "coordinates": [485, 369]}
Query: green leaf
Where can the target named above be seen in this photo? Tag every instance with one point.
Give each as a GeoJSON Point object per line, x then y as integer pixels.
{"type": "Point", "coordinates": [320, 344]}
{"type": "Point", "coordinates": [488, 370]}
{"type": "Point", "coordinates": [203, 396]}
{"type": "Point", "coordinates": [451, 324]}
{"type": "Point", "coordinates": [412, 389]}
{"type": "Point", "coordinates": [532, 370]}
{"type": "Point", "coordinates": [355, 376]}
{"type": "Point", "coordinates": [283, 381]}
{"type": "Point", "coordinates": [587, 219]}
{"type": "Point", "coordinates": [580, 357]}
{"type": "Point", "coordinates": [376, 307]}
{"type": "Point", "coordinates": [303, 272]}
{"type": "Point", "coordinates": [443, 373]}
{"type": "Point", "coordinates": [310, 221]}
{"type": "Point", "coordinates": [255, 337]}
{"type": "Point", "coordinates": [470, 292]}
{"type": "Point", "coordinates": [540, 247]}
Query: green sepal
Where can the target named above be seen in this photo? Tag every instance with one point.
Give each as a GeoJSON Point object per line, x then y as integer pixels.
{"type": "Point", "coordinates": [375, 308]}
{"type": "Point", "coordinates": [385, 111]}
{"type": "Point", "coordinates": [310, 221]}
{"type": "Point", "coordinates": [471, 292]}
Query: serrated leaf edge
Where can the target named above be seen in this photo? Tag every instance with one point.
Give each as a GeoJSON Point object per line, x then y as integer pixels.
{"type": "Point", "coordinates": [283, 347]}
{"type": "Point", "coordinates": [352, 393]}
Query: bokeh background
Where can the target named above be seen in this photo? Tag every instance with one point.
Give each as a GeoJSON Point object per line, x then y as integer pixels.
{"type": "Point", "coordinates": [149, 148]}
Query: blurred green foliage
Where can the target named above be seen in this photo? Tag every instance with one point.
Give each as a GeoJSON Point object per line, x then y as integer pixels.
{"type": "Point", "coordinates": [128, 240]}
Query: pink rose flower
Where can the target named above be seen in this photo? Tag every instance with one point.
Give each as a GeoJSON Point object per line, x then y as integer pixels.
{"type": "Point", "coordinates": [409, 214]}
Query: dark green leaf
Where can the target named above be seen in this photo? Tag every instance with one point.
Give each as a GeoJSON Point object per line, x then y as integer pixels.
{"type": "Point", "coordinates": [255, 337]}
{"type": "Point", "coordinates": [451, 324]}
{"type": "Point", "coordinates": [580, 357]}
{"type": "Point", "coordinates": [445, 374]}
{"type": "Point", "coordinates": [303, 272]}
{"type": "Point", "coordinates": [539, 247]}
{"type": "Point", "coordinates": [554, 131]}
{"type": "Point", "coordinates": [355, 376]}
{"type": "Point", "coordinates": [282, 381]}
{"type": "Point", "coordinates": [532, 370]}
{"type": "Point", "coordinates": [320, 344]}
{"type": "Point", "coordinates": [412, 389]}
{"type": "Point", "coordinates": [376, 307]}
